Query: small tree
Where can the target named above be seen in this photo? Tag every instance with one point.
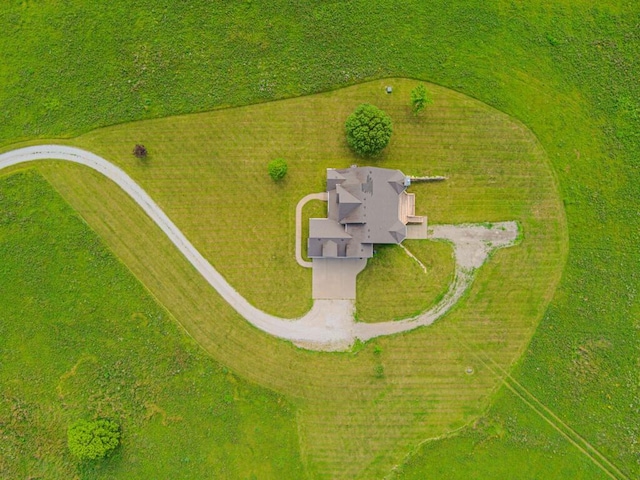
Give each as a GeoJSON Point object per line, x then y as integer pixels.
{"type": "Point", "coordinates": [368, 130]}
{"type": "Point", "coordinates": [140, 151]}
{"type": "Point", "coordinates": [93, 440]}
{"type": "Point", "coordinates": [420, 98]}
{"type": "Point", "coordinates": [277, 169]}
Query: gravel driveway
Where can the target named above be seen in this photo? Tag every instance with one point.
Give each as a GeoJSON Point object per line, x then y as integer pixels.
{"type": "Point", "coordinates": [330, 324]}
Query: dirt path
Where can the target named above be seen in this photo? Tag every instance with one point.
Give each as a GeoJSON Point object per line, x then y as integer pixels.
{"type": "Point", "coordinates": [472, 245]}
{"type": "Point", "coordinates": [330, 324]}
{"type": "Point", "coordinates": [531, 401]}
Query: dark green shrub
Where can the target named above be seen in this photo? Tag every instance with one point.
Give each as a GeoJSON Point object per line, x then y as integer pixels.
{"type": "Point", "coordinates": [277, 169]}
{"type": "Point", "coordinates": [368, 130]}
{"type": "Point", "coordinates": [93, 440]}
{"type": "Point", "coordinates": [140, 151]}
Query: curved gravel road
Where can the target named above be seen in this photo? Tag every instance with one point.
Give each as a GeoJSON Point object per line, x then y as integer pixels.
{"type": "Point", "coordinates": [330, 324]}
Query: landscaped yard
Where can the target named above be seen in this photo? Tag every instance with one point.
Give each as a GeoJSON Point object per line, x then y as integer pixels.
{"type": "Point", "coordinates": [395, 286]}
{"type": "Point", "coordinates": [567, 72]}
{"type": "Point", "coordinates": [212, 182]}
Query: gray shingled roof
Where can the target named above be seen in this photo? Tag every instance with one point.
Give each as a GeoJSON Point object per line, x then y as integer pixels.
{"type": "Point", "coordinates": [363, 209]}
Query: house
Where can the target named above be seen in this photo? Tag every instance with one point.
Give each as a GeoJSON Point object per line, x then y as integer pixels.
{"type": "Point", "coordinates": [366, 206]}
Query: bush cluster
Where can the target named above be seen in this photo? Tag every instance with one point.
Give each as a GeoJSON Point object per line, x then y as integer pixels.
{"type": "Point", "coordinates": [420, 98]}
{"type": "Point", "coordinates": [93, 440]}
{"type": "Point", "coordinates": [140, 151]}
{"type": "Point", "coordinates": [277, 169]}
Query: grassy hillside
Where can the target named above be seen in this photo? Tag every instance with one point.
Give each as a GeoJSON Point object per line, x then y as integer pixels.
{"type": "Point", "coordinates": [567, 70]}
{"type": "Point", "coordinates": [81, 338]}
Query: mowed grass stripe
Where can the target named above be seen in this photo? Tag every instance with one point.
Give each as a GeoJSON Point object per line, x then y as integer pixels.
{"type": "Point", "coordinates": [208, 171]}
{"type": "Point", "coordinates": [392, 269]}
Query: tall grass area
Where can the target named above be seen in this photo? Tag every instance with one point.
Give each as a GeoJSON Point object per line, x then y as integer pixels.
{"type": "Point", "coordinates": [82, 338]}
{"type": "Point", "coordinates": [567, 70]}
{"type": "Point", "coordinates": [513, 442]}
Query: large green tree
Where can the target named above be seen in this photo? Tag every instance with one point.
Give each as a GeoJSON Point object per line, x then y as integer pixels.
{"type": "Point", "coordinates": [368, 130]}
{"type": "Point", "coordinates": [93, 440]}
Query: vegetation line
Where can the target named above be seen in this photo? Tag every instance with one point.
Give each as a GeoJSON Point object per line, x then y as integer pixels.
{"type": "Point", "coordinates": [393, 473]}
{"type": "Point", "coordinates": [411, 255]}
{"type": "Point", "coordinates": [559, 420]}
{"type": "Point", "coordinates": [556, 427]}
{"type": "Point", "coordinates": [507, 379]}
{"type": "Point", "coordinates": [155, 297]}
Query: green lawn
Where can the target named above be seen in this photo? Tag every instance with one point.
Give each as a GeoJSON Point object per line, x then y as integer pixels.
{"type": "Point", "coordinates": [207, 172]}
{"type": "Point", "coordinates": [512, 442]}
{"type": "Point", "coordinates": [395, 286]}
{"type": "Point", "coordinates": [81, 338]}
{"type": "Point", "coordinates": [567, 70]}
{"type": "Point", "coordinates": [212, 182]}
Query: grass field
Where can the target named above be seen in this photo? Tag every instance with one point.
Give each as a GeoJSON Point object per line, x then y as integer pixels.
{"type": "Point", "coordinates": [514, 443]}
{"type": "Point", "coordinates": [394, 286]}
{"type": "Point", "coordinates": [82, 338]}
{"type": "Point", "coordinates": [350, 403]}
{"type": "Point", "coordinates": [566, 70]}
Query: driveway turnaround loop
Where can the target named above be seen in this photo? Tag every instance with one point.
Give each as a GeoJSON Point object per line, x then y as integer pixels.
{"type": "Point", "coordinates": [312, 196]}
{"type": "Point", "coordinates": [330, 324]}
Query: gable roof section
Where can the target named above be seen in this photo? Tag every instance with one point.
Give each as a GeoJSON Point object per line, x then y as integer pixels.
{"type": "Point", "coordinates": [329, 249]}
{"type": "Point", "coordinates": [366, 206]}
{"type": "Point", "coordinates": [398, 181]}
{"type": "Point", "coordinates": [334, 178]}
{"type": "Point", "coordinates": [398, 231]}
{"type": "Point", "coordinates": [347, 202]}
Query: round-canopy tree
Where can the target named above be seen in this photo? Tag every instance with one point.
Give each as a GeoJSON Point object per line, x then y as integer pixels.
{"type": "Point", "coordinates": [368, 130]}
{"type": "Point", "coordinates": [93, 440]}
